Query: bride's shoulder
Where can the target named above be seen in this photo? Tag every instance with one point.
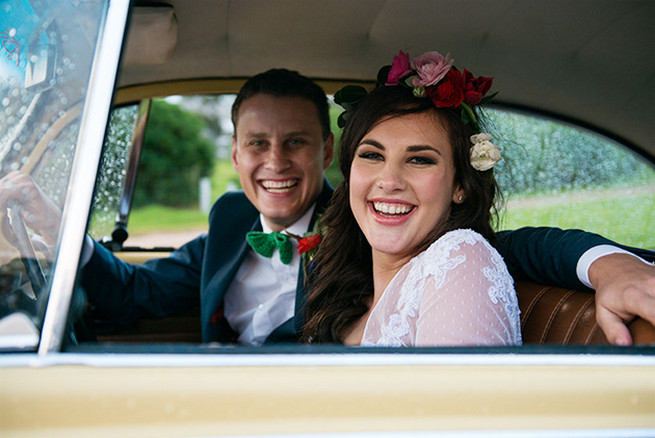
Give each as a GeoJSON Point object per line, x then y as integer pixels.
{"type": "Point", "coordinates": [456, 239]}
{"type": "Point", "coordinates": [457, 243]}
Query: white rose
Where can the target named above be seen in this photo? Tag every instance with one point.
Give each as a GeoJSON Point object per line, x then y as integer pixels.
{"type": "Point", "coordinates": [479, 138]}
{"type": "Point", "coordinates": [484, 154]}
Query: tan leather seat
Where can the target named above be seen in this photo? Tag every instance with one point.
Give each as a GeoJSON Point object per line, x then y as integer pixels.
{"type": "Point", "coordinates": [549, 315]}
{"type": "Point", "coordinates": [553, 315]}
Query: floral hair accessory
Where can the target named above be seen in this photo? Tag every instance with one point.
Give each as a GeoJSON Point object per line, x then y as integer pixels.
{"type": "Point", "coordinates": [484, 154]}
{"type": "Point", "coordinates": [433, 75]}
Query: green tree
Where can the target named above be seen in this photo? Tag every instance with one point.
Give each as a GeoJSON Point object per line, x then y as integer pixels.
{"type": "Point", "coordinates": [174, 157]}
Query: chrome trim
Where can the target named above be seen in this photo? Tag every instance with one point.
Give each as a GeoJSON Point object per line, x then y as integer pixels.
{"type": "Point", "coordinates": [85, 167]}
{"type": "Point", "coordinates": [133, 162]}
{"type": "Point", "coordinates": [299, 360]}
{"type": "Point", "coordinates": [484, 433]}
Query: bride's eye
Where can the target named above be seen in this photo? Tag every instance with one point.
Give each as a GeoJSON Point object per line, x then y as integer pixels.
{"type": "Point", "coordinates": [370, 155]}
{"type": "Point", "coordinates": [421, 160]}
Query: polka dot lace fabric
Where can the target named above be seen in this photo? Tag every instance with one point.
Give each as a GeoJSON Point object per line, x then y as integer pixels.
{"type": "Point", "coordinates": [457, 292]}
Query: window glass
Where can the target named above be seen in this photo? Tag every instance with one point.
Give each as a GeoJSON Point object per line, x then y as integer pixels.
{"type": "Point", "coordinates": [112, 171]}
{"type": "Point", "coordinates": [46, 53]}
{"type": "Point", "coordinates": [558, 175]}
{"type": "Point", "coordinates": [184, 166]}
{"type": "Point", "coordinates": [552, 174]}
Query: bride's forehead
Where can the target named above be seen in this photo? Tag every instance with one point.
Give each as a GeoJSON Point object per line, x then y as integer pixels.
{"type": "Point", "coordinates": [409, 130]}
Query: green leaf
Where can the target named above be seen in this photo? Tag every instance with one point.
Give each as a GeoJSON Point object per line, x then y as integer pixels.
{"type": "Point", "coordinates": [349, 95]}
{"type": "Point", "coordinates": [383, 74]}
{"type": "Point", "coordinates": [487, 98]}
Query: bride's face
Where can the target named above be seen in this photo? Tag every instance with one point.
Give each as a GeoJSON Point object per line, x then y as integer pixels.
{"type": "Point", "coordinates": [402, 182]}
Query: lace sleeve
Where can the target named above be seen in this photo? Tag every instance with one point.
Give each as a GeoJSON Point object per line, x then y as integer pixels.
{"type": "Point", "coordinates": [468, 296]}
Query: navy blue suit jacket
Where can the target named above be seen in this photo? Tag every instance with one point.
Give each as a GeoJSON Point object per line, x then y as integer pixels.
{"type": "Point", "coordinates": [200, 272]}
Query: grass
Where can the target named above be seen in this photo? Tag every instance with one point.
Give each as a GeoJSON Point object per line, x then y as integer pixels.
{"type": "Point", "coordinates": [159, 218]}
{"type": "Point", "coordinates": [629, 220]}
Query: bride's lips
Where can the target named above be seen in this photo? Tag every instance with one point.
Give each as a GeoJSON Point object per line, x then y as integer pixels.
{"type": "Point", "coordinates": [391, 211]}
{"type": "Point", "coordinates": [278, 186]}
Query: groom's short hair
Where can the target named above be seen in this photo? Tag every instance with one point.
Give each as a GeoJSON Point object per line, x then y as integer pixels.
{"type": "Point", "coordinates": [281, 82]}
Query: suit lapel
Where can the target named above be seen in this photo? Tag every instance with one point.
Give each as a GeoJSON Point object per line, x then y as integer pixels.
{"type": "Point", "coordinates": [230, 220]}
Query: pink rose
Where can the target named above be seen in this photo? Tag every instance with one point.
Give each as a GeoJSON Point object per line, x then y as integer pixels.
{"type": "Point", "coordinates": [399, 68]}
{"type": "Point", "coordinates": [431, 67]}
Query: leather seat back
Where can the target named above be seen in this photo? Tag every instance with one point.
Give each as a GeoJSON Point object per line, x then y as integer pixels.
{"type": "Point", "coordinates": [554, 315]}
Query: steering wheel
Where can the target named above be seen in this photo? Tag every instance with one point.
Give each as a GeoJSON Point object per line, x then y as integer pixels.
{"type": "Point", "coordinates": [16, 232]}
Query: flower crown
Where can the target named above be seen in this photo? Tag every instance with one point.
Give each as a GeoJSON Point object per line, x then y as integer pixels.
{"type": "Point", "coordinates": [433, 75]}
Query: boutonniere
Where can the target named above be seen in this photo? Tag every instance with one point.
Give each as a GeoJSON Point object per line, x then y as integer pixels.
{"type": "Point", "coordinates": [308, 243]}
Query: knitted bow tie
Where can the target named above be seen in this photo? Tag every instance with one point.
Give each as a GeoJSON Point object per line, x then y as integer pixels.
{"type": "Point", "coordinates": [264, 244]}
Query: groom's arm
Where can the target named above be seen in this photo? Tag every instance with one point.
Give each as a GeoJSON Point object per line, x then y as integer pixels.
{"type": "Point", "coordinates": [546, 255]}
{"type": "Point", "coordinates": [624, 284]}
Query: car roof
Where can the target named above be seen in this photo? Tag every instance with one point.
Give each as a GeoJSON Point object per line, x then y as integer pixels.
{"type": "Point", "coordinates": [588, 61]}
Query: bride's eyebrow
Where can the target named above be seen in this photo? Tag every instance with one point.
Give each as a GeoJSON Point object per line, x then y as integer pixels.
{"type": "Point", "coordinates": [420, 148]}
{"type": "Point", "coordinates": [370, 142]}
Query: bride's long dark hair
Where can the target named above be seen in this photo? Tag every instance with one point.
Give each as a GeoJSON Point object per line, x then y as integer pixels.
{"type": "Point", "coordinates": [341, 279]}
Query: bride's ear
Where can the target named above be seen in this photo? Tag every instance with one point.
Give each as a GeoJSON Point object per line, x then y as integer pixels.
{"type": "Point", "coordinates": [458, 195]}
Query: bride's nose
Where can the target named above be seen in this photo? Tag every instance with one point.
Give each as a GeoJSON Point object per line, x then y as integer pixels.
{"type": "Point", "coordinates": [390, 179]}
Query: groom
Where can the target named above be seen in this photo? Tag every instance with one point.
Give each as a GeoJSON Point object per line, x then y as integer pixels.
{"type": "Point", "coordinates": [281, 145]}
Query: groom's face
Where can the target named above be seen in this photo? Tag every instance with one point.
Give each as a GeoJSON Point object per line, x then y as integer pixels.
{"type": "Point", "coordinates": [280, 154]}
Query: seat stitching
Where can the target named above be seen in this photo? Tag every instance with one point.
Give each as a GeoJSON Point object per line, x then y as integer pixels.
{"type": "Point", "coordinates": [533, 303]}
{"type": "Point", "coordinates": [577, 318]}
{"type": "Point", "coordinates": [593, 331]}
{"type": "Point", "coordinates": [552, 315]}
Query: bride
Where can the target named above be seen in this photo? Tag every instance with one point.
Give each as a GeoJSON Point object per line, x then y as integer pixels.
{"type": "Point", "coordinates": [406, 255]}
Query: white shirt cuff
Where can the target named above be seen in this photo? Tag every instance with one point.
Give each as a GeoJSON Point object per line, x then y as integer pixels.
{"type": "Point", "coordinates": [593, 254]}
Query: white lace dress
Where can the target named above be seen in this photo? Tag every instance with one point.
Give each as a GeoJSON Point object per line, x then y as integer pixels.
{"type": "Point", "coordinates": [457, 292]}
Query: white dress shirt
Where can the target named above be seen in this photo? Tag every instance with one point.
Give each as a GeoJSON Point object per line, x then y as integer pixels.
{"type": "Point", "coordinates": [262, 295]}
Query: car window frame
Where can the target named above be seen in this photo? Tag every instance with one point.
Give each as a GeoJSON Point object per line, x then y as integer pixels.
{"type": "Point", "coordinates": [95, 113]}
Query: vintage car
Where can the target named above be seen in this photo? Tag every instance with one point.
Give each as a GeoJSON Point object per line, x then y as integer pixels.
{"type": "Point", "coordinates": [72, 72]}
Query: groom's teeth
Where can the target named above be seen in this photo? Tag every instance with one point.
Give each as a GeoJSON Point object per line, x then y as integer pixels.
{"type": "Point", "coordinates": [392, 209]}
{"type": "Point", "coordinates": [279, 186]}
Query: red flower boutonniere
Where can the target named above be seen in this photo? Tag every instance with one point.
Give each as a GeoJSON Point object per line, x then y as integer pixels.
{"type": "Point", "coordinates": [308, 243]}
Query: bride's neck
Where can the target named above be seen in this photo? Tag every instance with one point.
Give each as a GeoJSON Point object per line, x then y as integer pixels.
{"type": "Point", "coordinates": [385, 267]}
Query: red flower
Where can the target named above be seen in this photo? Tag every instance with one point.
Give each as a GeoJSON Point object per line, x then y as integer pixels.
{"type": "Point", "coordinates": [449, 92]}
{"type": "Point", "coordinates": [308, 243]}
{"type": "Point", "coordinates": [475, 88]}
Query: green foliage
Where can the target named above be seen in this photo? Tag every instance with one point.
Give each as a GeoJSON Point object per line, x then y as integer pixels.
{"type": "Point", "coordinates": [174, 157]}
{"type": "Point", "coordinates": [541, 156]}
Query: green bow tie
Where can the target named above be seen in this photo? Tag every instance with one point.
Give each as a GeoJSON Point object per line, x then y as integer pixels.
{"type": "Point", "coordinates": [264, 244]}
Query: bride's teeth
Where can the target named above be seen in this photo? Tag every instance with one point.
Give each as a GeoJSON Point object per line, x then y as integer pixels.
{"type": "Point", "coordinates": [391, 209]}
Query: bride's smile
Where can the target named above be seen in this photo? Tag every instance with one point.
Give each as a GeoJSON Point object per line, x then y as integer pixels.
{"type": "Point", "coordinates": [402, 182]}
